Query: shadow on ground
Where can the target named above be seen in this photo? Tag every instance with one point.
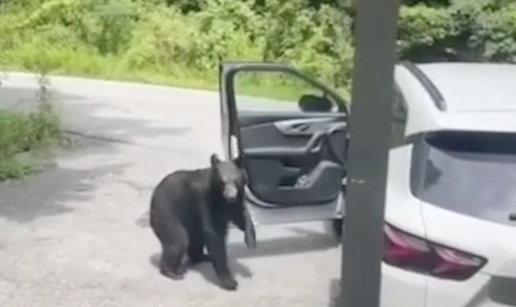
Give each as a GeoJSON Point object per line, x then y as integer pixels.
{"type": "Point", "coordinates": [46, 194]}
{"type": "Point", "coordinates": [206, 269]}
{"type": "Point", "coordinates": [304, 241]}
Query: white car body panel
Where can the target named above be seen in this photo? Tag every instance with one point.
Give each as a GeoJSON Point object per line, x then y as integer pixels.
{"type": "Point", "coordinates": [496, 242]}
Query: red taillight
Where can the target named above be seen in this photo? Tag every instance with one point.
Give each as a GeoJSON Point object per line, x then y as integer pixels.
{"type": "Point", "coordinates": [416, 254]}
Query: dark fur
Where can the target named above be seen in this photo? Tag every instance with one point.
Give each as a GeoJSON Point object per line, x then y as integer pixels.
{"type": "Point", "coordinates": [190, 210]}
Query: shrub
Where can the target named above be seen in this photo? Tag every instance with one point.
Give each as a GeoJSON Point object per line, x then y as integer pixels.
{"type": "Point", "coordinates": [494, 35]}
{"type": "Point", "coordinates": [24, 136]}
{"type": "Point", "coordinates": [425, 33]}
{"type": "Point", "coordinates": [161, 41]}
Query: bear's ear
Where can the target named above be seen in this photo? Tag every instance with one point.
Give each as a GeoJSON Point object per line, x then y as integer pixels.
{"type": "Point", "coordinates": [214, 160]}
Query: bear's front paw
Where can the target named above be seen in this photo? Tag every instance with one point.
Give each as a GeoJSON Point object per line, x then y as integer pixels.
{"type": "Point", "coordinates": [229, 283]}
{"type": "Point", "coordinates": [175, 275]}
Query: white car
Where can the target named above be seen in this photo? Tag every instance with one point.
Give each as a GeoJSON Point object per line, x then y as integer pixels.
{"type": "Point", "coordinates": [450, 220]}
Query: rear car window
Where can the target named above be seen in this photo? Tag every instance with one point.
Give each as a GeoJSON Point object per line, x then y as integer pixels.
{"type": "Point", "coordinates": [470, 173]}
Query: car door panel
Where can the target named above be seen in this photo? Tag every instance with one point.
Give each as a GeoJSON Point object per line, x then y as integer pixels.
{"type": "Point", "coordinates": [268, 214]}
{"type": "Point", "coordinates": [278, 152]}
{"type": "Point", "coordinates": [295, 160]}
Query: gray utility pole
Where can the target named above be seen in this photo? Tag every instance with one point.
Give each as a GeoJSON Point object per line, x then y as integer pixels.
{"type": "Point", "coordinates": [370, 128]}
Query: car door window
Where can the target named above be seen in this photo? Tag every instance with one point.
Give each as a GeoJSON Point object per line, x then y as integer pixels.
{"type": "Point", "coordinates": [279, 91]}
{"type": "Point", "coordinates": [399, 119]}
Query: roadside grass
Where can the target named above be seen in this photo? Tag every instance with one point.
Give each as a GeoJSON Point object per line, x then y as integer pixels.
{"type": "Point", "coordinates": [27, 138]}
{"type": "Point", "coordinates": [272, 85]}
{"type": "Point", "coordinates": [268, 87]}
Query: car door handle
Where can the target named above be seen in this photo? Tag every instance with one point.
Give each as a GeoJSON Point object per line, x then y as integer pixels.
{"type": "Point", "coordinates": [300, 127]}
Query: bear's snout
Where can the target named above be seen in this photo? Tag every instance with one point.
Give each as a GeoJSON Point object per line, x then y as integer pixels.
{"type": "Point", "coordinates": [230, 192]}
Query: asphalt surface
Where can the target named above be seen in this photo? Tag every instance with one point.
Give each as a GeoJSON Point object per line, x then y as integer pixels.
{"type": "Point", "coordinates": [77, 235]}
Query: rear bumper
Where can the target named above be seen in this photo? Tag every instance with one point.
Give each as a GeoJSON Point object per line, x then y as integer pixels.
{"type": "Point", "coordinates": [474, 292]}
{"type": "Point", "coordinates": [401, 288]}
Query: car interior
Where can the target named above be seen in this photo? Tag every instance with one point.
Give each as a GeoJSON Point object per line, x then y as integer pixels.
{"type": "Point", "coordinates": [295, 158]}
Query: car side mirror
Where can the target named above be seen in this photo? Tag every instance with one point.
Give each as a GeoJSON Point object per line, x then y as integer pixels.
{"type": "Point", "coordinates": [314, 103]}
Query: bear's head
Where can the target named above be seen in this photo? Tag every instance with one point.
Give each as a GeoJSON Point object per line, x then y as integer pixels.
{"type": "Point", "coordinates": [229, 178]}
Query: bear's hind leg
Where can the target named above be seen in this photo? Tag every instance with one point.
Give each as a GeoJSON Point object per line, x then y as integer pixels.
{"type": "Point", "coordinates": [173, 262]}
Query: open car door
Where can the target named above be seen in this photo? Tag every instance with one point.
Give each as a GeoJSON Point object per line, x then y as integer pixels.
{"type": "Point", "coordinates": [290, 130]}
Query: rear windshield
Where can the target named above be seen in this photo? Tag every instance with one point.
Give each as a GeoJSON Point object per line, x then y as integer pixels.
{"type": "Point", "coordinates": [470, 173]}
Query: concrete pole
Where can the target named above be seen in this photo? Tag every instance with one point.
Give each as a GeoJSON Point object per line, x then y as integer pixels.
{"type": "Point", "coordinates": [370, 126]}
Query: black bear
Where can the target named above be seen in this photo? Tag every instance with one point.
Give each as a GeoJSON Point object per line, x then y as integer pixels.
{"type": "Point", "coordinates": [191, 209]}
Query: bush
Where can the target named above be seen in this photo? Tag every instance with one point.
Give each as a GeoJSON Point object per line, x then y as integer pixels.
{"type": "Point", "coordinates": [425, 33]}
{"type": "Point", "coordinates": [494, 35]}
{"type": "Point", "coordinates": [162, 41]}
{"type": "Point", "coordinates": [25, 137]}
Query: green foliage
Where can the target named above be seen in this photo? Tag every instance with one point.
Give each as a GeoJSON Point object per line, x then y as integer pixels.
{"type": "Point", "coordinates": [26, 135]}
{"type": "Point", "coordinates": [424, 32]}
{"type": "Point", "coordinates": [182, 41]}
{"type": "Point", "coordinates": [493, 33]}
{"type": "Point", "coordinates": [162, 40]}
{"type": "Point", "coordinates": [316, 40]}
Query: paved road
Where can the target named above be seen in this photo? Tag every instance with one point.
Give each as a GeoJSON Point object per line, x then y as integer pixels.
{"type": "Point", "coordinates": [77, 235]}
